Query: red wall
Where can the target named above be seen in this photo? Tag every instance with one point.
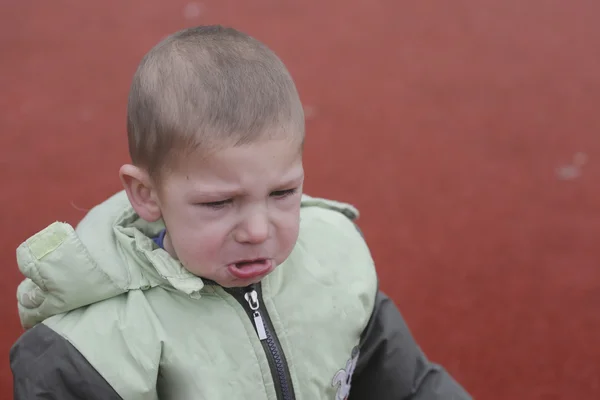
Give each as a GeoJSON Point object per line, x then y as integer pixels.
{"type": "Point", "coordinates": [465, 131]}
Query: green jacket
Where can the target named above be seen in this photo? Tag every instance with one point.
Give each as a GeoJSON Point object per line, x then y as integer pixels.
{"type": "Point", "coordinates": [111, 316]}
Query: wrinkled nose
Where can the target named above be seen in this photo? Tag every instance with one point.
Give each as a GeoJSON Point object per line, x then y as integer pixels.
{"type": "Point", "coordinates": [254, 230]}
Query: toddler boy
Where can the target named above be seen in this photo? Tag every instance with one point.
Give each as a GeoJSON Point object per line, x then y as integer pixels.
{"type": "Point", "coordinates": [212, 276]}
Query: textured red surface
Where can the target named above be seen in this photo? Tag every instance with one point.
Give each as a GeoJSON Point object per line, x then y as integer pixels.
{"type": "Point", "coordinates": [453, 126]}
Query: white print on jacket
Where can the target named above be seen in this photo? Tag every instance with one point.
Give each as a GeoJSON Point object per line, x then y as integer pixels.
{"type": "Point", "coordinates": [343, 378]}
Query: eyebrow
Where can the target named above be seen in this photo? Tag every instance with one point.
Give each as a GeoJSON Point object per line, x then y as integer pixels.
{"type": "Point", "coordinates": [209, 195]}
{"type": "Point", "coordinates": [219, 194]}
{"type": "Point", "coordinates": [295, 179]}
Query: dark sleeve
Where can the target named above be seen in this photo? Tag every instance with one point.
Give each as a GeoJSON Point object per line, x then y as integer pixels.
{"type": "Point", "coordinates": [391, 366]}
{"type": "Point", "coordinates": [46, 366]}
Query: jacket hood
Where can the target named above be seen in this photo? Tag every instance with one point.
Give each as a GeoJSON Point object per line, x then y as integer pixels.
{"type": "Point", "coordinates": [109, 253]}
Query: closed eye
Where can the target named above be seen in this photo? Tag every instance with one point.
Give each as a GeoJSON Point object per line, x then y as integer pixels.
{"type": "Point", "coordinates": [216, 204]}
{"type": "Point", "coordinates": [279, 194]}
{"type": "Point", "coordinates": [283, 193]}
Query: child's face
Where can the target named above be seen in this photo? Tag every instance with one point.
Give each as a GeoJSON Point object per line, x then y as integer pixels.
{"type": "Point", "coordinates": [234, 216]}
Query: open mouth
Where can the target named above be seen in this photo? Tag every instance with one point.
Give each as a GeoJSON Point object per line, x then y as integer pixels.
{"type": "Point", "coordinates": [249, 269]}
{"type": "Point", "coordinates": [245, 263]}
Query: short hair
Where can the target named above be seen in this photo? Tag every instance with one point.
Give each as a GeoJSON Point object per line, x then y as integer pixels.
{"type": "Point", "coordinates": [205, 87]}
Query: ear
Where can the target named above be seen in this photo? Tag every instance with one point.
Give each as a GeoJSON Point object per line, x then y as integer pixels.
{"type": "Point", "coordinates": [141, 192]}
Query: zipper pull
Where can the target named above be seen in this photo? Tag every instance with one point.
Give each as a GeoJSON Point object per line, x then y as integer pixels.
{"type": "Point", "coordinates": [252, 299]}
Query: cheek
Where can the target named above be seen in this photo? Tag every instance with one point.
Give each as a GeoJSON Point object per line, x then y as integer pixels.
{"type": "Point", "coordinates": [196, 240]}
{"type": "Point", "coordinates": [197, 250]}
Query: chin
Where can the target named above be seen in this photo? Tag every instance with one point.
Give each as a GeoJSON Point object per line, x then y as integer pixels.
{"type": "Point", "coordinates": [240, 283]}
{"type": "Point", "coordinates": [237, 285]}
{"type": "Point", "coordinates": [244, 283]}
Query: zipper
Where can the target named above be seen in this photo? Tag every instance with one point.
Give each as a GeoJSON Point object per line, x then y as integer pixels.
{"type": "Point", "coordinates": [250, 298]}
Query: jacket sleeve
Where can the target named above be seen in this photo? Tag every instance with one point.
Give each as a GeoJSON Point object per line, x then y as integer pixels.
{"type": "Point", "coordinates": [391, 366]}
{"type": "Point", "coordinates": [46, 366]}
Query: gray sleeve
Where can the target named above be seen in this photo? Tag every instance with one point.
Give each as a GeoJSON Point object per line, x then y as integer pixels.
{"type": "Point", "coordinates": [391, 366]}
{"type": "Point", "coordinates": [46, 366]}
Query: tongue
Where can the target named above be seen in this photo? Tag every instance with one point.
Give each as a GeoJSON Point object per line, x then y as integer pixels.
{"type": "Point", "coordinates": [249, 270]}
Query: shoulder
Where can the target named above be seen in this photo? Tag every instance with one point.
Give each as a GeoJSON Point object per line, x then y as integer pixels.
{"type": "Point", "coordinates": [115, 319]}
{"type": "Point", "coordinates": [327, 207]}
{"type": "Point", "coordinates": [108, 350]}
{"type": "Point", "coordinates": [331, 247]}
{"type": "Point", "coordinates": [332, 216]}
{"type": "Point", "coordinates": [332, 263]}
{"type": "Point", "coordinates": [329, 224]}
{"type": "Point", "coordinates": [119, 337]}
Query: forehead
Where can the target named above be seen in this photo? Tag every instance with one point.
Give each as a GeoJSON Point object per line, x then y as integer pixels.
{"type": "Point", "coordinates": [253, 165]}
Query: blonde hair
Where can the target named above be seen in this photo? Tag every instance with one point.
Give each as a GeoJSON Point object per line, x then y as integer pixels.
{"type": "Point", "coordinates": [205, 87]}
